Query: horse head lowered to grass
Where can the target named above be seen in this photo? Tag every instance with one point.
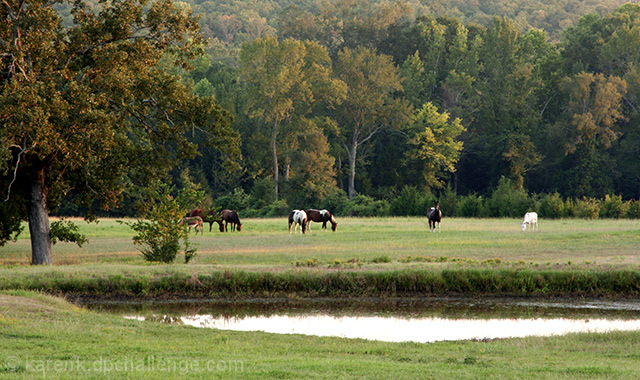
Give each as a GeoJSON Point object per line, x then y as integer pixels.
{"type": "Point", "coordinates": [298, 217]}
{"type": "Point", "coordinates": [321, 216]}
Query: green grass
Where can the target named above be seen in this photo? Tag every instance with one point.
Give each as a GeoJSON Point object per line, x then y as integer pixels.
{"type": "Point", "coordinates": [45, 337]}
{"type": "Point", "coordinates": [267, 244]}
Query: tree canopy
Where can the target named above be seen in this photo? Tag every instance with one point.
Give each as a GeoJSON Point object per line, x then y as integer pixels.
{"type": "Point", "coordinates": [89, 108]}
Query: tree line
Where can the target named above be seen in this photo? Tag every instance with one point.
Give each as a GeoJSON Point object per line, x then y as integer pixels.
{"type": "Point", "coordinates": [414, 100]}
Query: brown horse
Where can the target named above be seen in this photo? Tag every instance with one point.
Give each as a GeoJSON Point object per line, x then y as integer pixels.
{"type": "Point", "coordinates": [435, 217]}
{"type": "Point", "coordinates": [193, 221]}
{"type": "Point", "coordinates": [230, 217]}
{"type": "Point", "coordinates": [321, 216]}
{"type": "Point", "coordinates": [209, 217]}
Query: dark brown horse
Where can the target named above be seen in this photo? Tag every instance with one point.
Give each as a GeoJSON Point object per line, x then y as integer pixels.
{"type": "Point", "coordinates": [321, 216]}
{"type": "Point", "coordinates": [210, 217]}
{"type": "Point", "coordinates": [230, 217]}
{"type": "Point", "coordinates": [435, 217]}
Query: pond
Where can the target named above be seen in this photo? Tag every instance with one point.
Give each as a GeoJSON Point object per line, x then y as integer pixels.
{"type": "Point", "coordinates": [392, 320]}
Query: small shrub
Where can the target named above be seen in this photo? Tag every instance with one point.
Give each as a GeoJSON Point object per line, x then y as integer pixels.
{"type": "Point", "coordinates": [364, 205]}
{"type": "Point", "coordinates": [551, 206]}
{"type": "Point", "coordinates": [587, 208]}
{"type": "Point", "coordinates": [306, 263]}
{"type": "Point", "coordinates": [381, 259]}
{"type": "Point", "coordinates": [277, 208]}
{"type": "Point", "coordinates": [407, 203]}
{"type": "Point", "coordinates": [507, 201]}
{"type": "Point", "coordinates": [633, 209]}
{"type": "Point", "coordinates": [160, 233]}
{"type": "Point", "coordinates": [613, 207]}
{"type": "Point", "coordinates": [336, 202]}
{"type": "Point", "coordinates": [449, 202]}
{"type": "Point", "coordinates": [471, 206]}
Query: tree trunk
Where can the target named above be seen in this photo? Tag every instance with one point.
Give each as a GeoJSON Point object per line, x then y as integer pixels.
{"type": "Point", "coordinates": [275, 159]}
{"type": "Point", "coordinates": [39, 220]}
{"type": "Point", "coordinates": [352, 169]}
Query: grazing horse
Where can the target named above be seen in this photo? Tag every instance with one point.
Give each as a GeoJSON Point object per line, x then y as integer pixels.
{"type": "Point", "coordinates": [530, 218]}
{"type": "Point", "coordinates": [435, 217]}
{"type": "Point", "coordinates": [230, 216]}
{"type": "Point", "coordinates": [298, 217]}
{"type": "Point", "coordinates": [193, 221]}
{"type": "Point", "coordinates": [323, 216]}
{"type": "Point", "coordinates": [210, 217]}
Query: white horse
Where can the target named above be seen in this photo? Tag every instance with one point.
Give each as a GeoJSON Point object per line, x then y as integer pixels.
{"type": "Point", "coordinates": [530, 218]}
{"type": "Point", "coordinates": [298, 217]}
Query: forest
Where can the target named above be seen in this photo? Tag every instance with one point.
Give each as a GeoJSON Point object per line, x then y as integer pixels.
{"type": "Point", "coordinates": [354, 104]}
{"type": "Point", "coordinates": [438, 96]}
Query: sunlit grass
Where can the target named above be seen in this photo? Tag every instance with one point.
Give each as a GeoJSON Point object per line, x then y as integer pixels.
{"type": "Point", "coordinates": [268, 243]}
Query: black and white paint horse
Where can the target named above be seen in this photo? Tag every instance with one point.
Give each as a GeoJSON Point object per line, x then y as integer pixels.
{"type": "Point", "coordinates": [435, 217]}
{"type": "Point", "coordinates": [298, 217]}
{"type": "Point", "coordinates": [321, 216]}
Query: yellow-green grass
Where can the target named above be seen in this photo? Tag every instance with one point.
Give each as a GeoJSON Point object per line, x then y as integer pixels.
{"type": "Point", "coordinates": [389, 243]}
{"type": "Point", "coordinates": [46, 337]}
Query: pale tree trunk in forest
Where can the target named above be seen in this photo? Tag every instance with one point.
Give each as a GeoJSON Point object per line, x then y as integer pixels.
{"type": "Point", "coordinates": [275, 158]}
{"type": "Point", "coordinates": [351, 155]}
{"type": "Point", "coordinates": [39, 220]}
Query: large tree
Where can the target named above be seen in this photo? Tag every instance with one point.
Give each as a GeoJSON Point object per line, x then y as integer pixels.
{"type": "Point", "coordinates": [285, 81]}
{"type": "Point", "coordinates": [88, 108]}
{"type": "Point", "coordinates": [372, 81]}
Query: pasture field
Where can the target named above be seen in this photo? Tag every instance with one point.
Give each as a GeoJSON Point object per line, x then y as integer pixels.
{"type": "Point", "coordinates": [379, 243]}
{"type": "Point", "coordinates": [45, 337]}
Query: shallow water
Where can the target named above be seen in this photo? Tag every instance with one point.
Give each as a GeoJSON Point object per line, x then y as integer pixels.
{"type": "Point", "coordinates": [396, 320]}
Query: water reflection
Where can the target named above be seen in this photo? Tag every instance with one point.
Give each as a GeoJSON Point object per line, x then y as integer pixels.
{"type": "Point", "coordinates": [418, 320]}
{"type": "Point", "coordinates": [420, 330]}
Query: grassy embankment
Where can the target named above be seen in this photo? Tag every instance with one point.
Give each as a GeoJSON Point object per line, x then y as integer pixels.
{"type": "Point", "coordinates": [45, 337]}
{"type": "Point", "coordinates": [374, 257]}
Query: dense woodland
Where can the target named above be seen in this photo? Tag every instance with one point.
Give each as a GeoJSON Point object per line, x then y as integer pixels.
{"type": "Point", "coordinates": [542, 94]}
{"type": "Point", "coordinates": [361, 101]}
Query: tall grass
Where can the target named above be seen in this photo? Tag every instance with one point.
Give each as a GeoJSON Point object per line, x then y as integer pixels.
{"type": "Point", "coordinates": [313, 283]}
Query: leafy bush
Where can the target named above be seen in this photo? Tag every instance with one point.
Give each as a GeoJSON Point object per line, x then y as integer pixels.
{"type": "Point", "coordinates": [471, 206]}
{"type": "Point", "coordinates": [364, 205]}
{"type": "Point", "coordinates": [409, 202]}
{"type": "Point", "coordinates": [633, 209]}
{"type": "Point", "coordinates": [613, 207]}
{"type": "Point", "coordinates": [587, 208]}
{"type": "Point", "coordinates": [238, 200]}
{"type": "Point", "coordinates": [507, 201]}
{"type": "Point", "coordinates": [277, 208]}
{"type": "Point", "coordinates": [449, 202]}
{"type": "Point", "coordinates": [160, 233]}
{"type": "Point", "coordinates": [551, 206]}
{"type": "Point", "coordinates": [336, 202]}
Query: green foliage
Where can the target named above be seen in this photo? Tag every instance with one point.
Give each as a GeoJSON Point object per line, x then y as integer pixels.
{"type": "Point", "coordinates": [471, 206]}
{"type": "Point", "coordinates": [507, 201]}
{"type": "Point", "coordinates": [551, 206]}
{"type": "Point", "coordinates": [587, 208]}
{"type": "Point", "coordinates": [363, 205]}
{"type": "Point", "coordinates": [409, 202]}
{"type": "Point", "coordinates": [159, 235]}
{"type": "Point", "coordinates": [613, 207]}
{"type": "Point", "coordinates": [66, 231]}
